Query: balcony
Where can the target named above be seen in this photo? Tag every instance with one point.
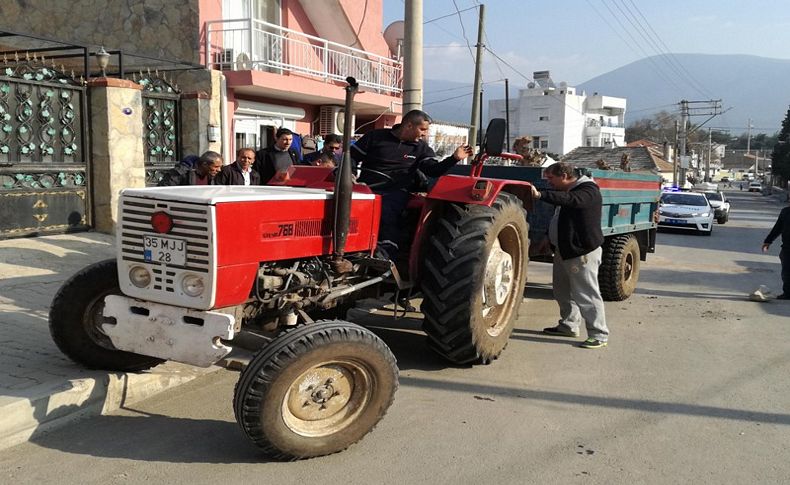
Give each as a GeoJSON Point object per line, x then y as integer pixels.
{"type": "Point", "coordinates": [249, 44]}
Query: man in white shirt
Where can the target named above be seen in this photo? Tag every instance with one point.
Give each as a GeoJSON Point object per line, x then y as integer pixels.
{"type": "Point", "coordinates": [239, 172]}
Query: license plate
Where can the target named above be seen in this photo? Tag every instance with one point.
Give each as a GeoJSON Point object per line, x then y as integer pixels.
{"type": "Point", "coordinates": [165, 250]}
{"type": "Point", "coordinates": [675, 221]}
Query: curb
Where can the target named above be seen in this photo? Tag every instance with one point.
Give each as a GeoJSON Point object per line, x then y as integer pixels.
{"type": "Point", "coordinates": [48, 407]}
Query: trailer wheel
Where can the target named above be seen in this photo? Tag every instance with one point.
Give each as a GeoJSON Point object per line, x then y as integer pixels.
{"type": "Point", "coordinates": [75, 320]}
{"type": "Point", "coordinates": [315, 390]}
{"type": "Point", "coordinates": [619, 271]}
{"type": "Point", "coordinates": [474, 274]}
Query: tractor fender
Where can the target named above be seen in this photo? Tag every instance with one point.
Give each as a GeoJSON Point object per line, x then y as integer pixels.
{"type": "Point", "coordinates": [478, 190]}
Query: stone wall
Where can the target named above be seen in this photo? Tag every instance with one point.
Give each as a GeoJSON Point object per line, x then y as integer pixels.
{"type": "Point", "coordinates": [157, 28]}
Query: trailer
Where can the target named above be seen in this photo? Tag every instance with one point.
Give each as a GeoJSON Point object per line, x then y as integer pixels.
{"type": "Point", "coordinates": [628, 220]}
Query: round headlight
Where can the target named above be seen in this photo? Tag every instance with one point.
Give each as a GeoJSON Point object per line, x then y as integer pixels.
{"type": "Point", "coordinates": [192, 285]}
{"type": "Point", "coordinates": [139, 276]}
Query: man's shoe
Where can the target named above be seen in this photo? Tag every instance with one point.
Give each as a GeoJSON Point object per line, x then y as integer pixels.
{"type": "Point", "coordinates": [783, 296]}
{"type": "Point", "coordinates": [592, 343]}
{"type": "Point", "coordinates": [560, 331]}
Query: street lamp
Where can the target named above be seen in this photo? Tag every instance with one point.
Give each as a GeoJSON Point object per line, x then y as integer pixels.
{"type": "Point", "coordinates": [103, 58]}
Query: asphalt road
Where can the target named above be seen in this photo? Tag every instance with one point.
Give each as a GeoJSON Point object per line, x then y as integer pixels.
{"type": "Point", "coordinates": [692, 389]}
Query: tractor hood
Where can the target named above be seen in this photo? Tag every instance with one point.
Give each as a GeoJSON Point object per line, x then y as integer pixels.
{"type": "Point", "coordinates": [217, 194]}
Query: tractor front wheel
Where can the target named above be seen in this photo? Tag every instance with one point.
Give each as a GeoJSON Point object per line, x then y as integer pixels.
{"type": "Point", "coordinates": [315, 390]}
{"type": "Point", "coordinates": [76, 318]}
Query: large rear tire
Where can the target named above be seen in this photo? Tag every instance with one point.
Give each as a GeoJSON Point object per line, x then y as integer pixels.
{"type": "Point", "coordinates": [619, 271]}
{"type": "Point", "coordinates": [315, 390]}
{"type": "Point", "coordinates": [474, 272]}
{"type": "Point", "coordinates": [75, 320]}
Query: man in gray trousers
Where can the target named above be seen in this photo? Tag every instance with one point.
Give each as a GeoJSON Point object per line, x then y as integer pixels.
{"type": "Point", "coordinates": [576, 238]}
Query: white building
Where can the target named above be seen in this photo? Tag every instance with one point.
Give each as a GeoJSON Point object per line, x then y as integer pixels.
{"type": "Point", "coordinates": [560, 120]}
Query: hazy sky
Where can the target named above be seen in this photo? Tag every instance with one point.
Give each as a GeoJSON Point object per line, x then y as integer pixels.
{"type": "Point", "coordinates": [580, 39]}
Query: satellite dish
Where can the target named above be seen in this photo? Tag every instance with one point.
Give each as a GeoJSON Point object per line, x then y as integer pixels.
{"type": "Point", "coordinates": [243, 62]}
{"type": "Point", "coordinates": [393, 35]}
{"type": "Point", "coordinates": [530, 85]}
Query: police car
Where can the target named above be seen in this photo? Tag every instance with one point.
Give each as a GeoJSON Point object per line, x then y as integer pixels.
{"type": "Point", "coordinates": [686, 210]}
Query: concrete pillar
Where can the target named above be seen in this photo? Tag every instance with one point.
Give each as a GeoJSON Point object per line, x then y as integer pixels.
{"type": "Point", "coordinates": [117, 152]}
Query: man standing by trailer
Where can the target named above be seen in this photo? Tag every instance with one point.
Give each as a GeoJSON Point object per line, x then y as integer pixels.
{"type": "Point", "coordinates": [576, 237]}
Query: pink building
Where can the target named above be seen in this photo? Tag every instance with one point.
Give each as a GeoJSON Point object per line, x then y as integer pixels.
{"type": "Point", "coordinates": [285, 62]}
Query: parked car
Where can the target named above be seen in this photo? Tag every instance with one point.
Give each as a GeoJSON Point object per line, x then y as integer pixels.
{"type": "Point", "coordinates": [725, 179]}
{"type": "Point", "coordinates": [720, 204]}
{"type": "Point", "coordinates": [686, 210]}
{"type": "Point", "coordinates": [755, 187]}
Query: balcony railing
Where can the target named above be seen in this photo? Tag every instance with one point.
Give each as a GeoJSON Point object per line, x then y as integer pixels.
{"type": "Point", "coordinates": [249, 44]}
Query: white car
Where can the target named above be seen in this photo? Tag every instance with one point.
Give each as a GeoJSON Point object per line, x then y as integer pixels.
{"type": "Point", "coordinates": [686, 210]}
{"type": "Point", "coordinates": [755, 187]}
{"type": "Point", "coordinates": [721, 206]}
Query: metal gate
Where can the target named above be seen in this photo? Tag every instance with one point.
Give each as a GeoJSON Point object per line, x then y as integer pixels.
{"type": "Point", "coordinates": [160, 125]}
{"type": "Point", "coordinates": [44, 160]}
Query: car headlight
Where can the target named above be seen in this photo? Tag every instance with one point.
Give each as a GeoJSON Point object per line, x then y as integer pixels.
{"type": "Point", "coordinates": [192, 285]}
{"type": "Point", "coordinates": [705, 214]}
{"type": "Point", "coordinates": [139, 276]}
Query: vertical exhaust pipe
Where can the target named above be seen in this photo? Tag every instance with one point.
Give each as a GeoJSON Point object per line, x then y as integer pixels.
{"type": "Point", "coordinates": [344, 185]}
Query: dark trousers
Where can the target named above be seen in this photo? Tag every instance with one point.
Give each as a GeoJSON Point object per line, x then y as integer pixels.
{"type": "Point", "coordinates": [393, 203]}
{"type": "Point", "coordinates": [784, 257]}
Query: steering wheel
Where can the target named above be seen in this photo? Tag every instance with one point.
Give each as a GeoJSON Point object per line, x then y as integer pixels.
{"type": "Point", "coordinates": [387, 179]}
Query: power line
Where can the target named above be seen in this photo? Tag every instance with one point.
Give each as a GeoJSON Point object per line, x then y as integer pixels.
{"type": "Point", "coordinates": [450, 14]}
{"type": "Point", "coordinates": [448, 99]}
{"type": "Point", "coordinates": [463, 30]}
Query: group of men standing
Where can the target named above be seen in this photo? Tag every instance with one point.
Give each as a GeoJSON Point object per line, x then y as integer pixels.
{"type": "Point", "coordinates": [251, 167]}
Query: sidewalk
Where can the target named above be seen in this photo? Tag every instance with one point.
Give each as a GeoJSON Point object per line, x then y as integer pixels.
{"type": "Point", "coordinates": [40, 389]}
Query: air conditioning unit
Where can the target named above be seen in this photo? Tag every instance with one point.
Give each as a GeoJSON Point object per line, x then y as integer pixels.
{"type": "Point", "coordinates": [331, 119]}
{"type": "Point", "coordinates": [224, 59]}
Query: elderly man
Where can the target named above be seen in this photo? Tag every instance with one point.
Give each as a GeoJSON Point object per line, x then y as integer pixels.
{"type": "Point", "coordinates": [277, 158]}
{"type": "Point", "coordinates": [240, 172]}
{"type": "Point", "coordinates": [206, 168]}
{"type": "Point", "coordinates": [399, 153]}
{"type": "Point", "coordinates": [576, 237]}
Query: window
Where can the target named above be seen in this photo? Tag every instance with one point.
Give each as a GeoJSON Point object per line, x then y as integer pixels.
{"type": "Point", "coordinates": [544, 144]}
{"type": "Point", "coordinates": [543, 118]}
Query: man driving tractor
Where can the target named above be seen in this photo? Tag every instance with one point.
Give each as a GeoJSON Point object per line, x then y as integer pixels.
{"type": "Point", "coordinates": [391, 160]}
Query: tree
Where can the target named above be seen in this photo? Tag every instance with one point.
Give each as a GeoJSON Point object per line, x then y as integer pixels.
{"type": "Point", "coordinates": [780, 157]}
{"type": "Point", "coordinates": [658, 128]}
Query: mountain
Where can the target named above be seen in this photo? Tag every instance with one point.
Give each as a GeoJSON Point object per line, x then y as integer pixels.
{"type": "Point", "coordinates": [749, 87]}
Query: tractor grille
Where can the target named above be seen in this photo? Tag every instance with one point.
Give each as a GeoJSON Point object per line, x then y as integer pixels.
{"type": "Point", "coordinates": [192, 224]}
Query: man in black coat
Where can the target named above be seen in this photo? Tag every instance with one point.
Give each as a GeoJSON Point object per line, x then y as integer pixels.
{"type": "Point", "coordinates": [576, 237]}
{"type": "Point", "coordinates": [398, 153]}
{"type": "Point", "coordinates": [782, 228]}
{"type": "Point", "coordinates": [277, 158]}
{"type": "Point", "coordinates": [239, 172]}
{"type": "Point", "coordinates": [205, 169]}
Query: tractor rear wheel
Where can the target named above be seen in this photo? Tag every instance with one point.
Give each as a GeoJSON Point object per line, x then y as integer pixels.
{"type": "Point", "coordinates": [619, 271]}
{"type": "Point", "coordinates": [76, 317]}
{"type": "Point", "coordinates": [315, 390]}
{"type": "Point", "coordinates": [473, 278]}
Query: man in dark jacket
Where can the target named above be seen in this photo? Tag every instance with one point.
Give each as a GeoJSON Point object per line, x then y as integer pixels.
{"type": "Point", "coordinates": [277, 158]}
{"type": "Point", "coordinates": [398, 153]}
{"type": "Point", "coordinates": [782, 228]}
{"type": "Point", "coordinates": [206, 168]}
{"type": "Point", "coordinates": [333, 145]}
{"type": "Point", "coordinates": [239, 172]}
{"type": "Point", "coordinates": [576, 237]}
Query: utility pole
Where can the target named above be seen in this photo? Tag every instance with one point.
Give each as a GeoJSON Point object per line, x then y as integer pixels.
{"type": "Point", "coordinates": [749, 137]}
{"type": "Point", "coordinates": [710, 152]}
{"type": "Point", "coordinates": [412, 56]}
{"type": "Point", "coordinates": [507, 116]}
{"type": "Point", "coordinates": [676, 157]}
{"type": "Point", "coordinates": [476, 108]}
{"type": "Point", "coordinates": [709, 108]}
{"type": "Point", "coordinates": [480, 126]}
{"type": "Point", "coordinates": [684, 117]}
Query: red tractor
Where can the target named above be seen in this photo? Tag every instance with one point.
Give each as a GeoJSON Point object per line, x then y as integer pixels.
{"type": "Point", "coordinates": [201, 268]}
